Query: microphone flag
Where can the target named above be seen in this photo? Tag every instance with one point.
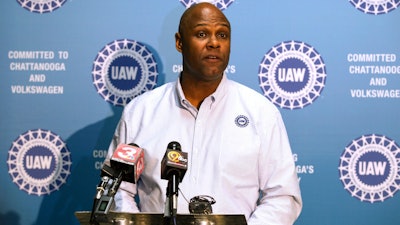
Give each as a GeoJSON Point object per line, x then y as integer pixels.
{"type": "Point", "coordinates": [129, 159]}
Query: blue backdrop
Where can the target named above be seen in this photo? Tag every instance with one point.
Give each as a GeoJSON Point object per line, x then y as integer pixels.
{"type": "Point", "coordinates": [67, 68]}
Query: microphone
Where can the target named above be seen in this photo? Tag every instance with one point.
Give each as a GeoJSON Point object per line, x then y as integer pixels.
{"type": "Point", "coordinates": [128, 159]}
{"type": "Point", "coordinates": [173, 169]}
{"type": "Point", "coordinates": [174, 161]}
{"type": "Point", "coordinates": [127, 164]}
{"type": "Point", "coordinates": [107, 173]}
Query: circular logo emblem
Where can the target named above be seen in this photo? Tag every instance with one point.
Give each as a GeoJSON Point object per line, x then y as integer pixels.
{"type": "Point", "coordinates": [292, 75]}
{"type": "Point", "coordinates": [41, 6]}
{"type": "Point", "coordinates": [39, 162]}
{"type": "Point", "coordinates": [375, 7]}
{"type": "Point", "coordinates": [174, 156]}
{"type": "Point", "coordinates": [221, 4]}
{"type": "Point", "coordinates": [241, 121]}
{"type": "Point", "coordinates": [369, 168]}
{"type": "Point", "coordinates": [124, 69]}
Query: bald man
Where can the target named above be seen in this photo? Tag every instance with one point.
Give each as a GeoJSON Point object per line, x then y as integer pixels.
{"type": "Point", "coordinates": [237, 145]}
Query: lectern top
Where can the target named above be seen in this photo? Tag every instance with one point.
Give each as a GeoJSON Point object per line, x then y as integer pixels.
{"type": "Point", "coordinates": [115, 218]}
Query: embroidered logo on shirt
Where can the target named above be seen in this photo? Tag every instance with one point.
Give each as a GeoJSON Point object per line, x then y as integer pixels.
{"type": "Point", "coordinates": [241, 121]}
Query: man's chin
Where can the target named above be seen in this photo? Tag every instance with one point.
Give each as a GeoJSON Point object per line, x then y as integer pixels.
{"type": "Point", "coordinates": [213, 72]}
{"type": "Point", "coordinates": [213, 76]}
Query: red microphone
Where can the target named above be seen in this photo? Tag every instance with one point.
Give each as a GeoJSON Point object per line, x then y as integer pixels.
{"type": "Point", "coordinates": [128, 159]}
{"type": "Point", "coordinates": [127, 163]}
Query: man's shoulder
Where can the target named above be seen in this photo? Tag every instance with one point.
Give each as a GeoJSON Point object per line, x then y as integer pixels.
{"type": "Point", "coordinates": [153, 95]}
{"type": "Point", "coordinates": [247, 91]}
{"type": "Point", "coordinates": [251, 97]}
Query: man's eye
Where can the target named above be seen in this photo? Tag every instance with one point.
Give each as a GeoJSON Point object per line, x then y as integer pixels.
{"type": "Point", "coordinates": [223, 35]}
{"type": "Point", "coordinates": [201, 34]}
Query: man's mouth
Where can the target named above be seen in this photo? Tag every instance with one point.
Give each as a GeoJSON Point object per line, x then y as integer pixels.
{"type": "Point", "coordinates": [212, 57]}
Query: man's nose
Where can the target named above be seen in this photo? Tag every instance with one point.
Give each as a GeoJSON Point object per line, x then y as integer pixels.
{"type": "Point", "coordinates": [213, 42]}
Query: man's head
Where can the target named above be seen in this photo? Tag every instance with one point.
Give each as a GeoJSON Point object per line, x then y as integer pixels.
{"type": "Point", "coordinates": [204, 39]}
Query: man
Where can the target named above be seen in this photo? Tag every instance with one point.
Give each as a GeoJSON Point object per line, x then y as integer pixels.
{"type": "Point", "coordinates": [235, 138]}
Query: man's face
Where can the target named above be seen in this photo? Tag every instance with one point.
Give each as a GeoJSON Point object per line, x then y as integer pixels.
{"type": "Point", "coordinates": [204, 42]}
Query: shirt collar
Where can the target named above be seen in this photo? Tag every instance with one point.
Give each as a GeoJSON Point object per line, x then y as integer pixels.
{"type": "Point", "coordinates": [217, 95]}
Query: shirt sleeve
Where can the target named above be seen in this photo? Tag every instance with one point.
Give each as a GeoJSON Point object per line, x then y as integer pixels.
{"type": "Point", "coordinates": [280, 200]}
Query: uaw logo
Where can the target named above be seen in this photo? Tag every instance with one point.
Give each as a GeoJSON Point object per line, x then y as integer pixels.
{"type": "Point", "coordinates": [375, 7]}
{"type": "Point", "coordinates": [369, 168]}
{"type": "Point", "coordinates": [241, 121]}
{"type": "Point", "coordinates": [292, 75]}
{"type": "Point", "coordinates": [221, 4]}
{"type": "Point", "coordinates": [41, 6]}
{"type": "Point", "coordinates": [39, 162]}
{"type": "Point", "coordinates": [124, 69]}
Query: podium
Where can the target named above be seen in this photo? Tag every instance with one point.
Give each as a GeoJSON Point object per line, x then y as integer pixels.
{"type": "Point", "coordinates": [116, 218]}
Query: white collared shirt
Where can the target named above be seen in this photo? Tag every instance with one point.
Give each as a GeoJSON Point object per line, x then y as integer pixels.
{"type": "Point", "coordinates": [237, 146]}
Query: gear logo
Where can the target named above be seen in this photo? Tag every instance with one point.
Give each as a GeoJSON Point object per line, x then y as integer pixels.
{"type": "Point", "coordinates": [375, 7]}
{"type": "Point", "coordinates": [41, 6]}
{"type": "Point", "coordinates": [221, 4]}
{"type": "Point", "coordinates": [124, 69]}
{"type": "Point", "coordinates": [241, 121]}
{"type": "Point", "coordinates": [369, 168]}
{"type": "Point", "coordinates": [292, 75]}
{"type": "Point", "coordinates": [39, 162]}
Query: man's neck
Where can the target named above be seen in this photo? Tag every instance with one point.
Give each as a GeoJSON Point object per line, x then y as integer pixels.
{"type": "Point", "coordinates": [197, 90]}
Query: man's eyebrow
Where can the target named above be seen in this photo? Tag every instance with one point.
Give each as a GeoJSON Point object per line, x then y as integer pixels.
{"type": "Point", "coordinates": [223, 24]}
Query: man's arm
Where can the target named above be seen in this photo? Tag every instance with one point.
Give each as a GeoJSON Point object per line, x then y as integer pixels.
{"type": "Point", "coordinates": [280, 201]}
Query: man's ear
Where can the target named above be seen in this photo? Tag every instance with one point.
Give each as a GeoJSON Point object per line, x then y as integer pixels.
{"type": "Point", "coordinates": [178, 42]}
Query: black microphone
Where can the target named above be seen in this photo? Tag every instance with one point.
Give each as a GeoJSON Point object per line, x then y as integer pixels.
{"type": "Point", "coordinates": [173, 169]}
{"type": "Point", "coordinates": [174, 161]}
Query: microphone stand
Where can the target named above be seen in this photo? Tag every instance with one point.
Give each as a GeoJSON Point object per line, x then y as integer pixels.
{"type": "Point", "coordinates": [171, 202]}
{"type": "Point", "coordinates": [105, 196]}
